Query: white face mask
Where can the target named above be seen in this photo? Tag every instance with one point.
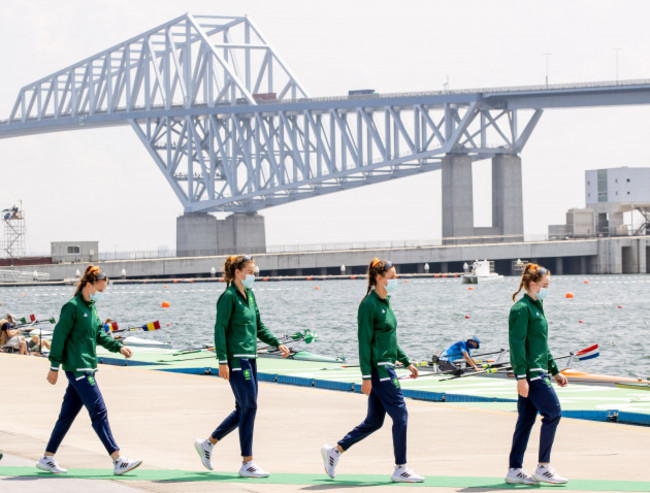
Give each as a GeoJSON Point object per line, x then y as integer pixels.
{"type": "Point", "coordinates": [248, 281]}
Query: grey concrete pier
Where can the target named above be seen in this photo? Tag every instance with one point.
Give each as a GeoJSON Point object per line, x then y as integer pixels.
{"type": "Point", "coordinates": [457, 200]}
{"type": "Point", "coordinates": [199, 234]}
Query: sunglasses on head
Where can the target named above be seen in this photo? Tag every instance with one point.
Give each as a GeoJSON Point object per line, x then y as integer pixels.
{"type": "Point", "coordinates": [386, 266]}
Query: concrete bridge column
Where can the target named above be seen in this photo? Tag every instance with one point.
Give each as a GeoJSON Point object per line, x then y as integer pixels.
{"type": "Point", "coordinates": [200, 234]}
{"type": "Point", "coordinates": [457, 202]}
{"type": "Point", "coordinates": [196, 235]}
{"type": "Point", "coordinates": [507, 202]}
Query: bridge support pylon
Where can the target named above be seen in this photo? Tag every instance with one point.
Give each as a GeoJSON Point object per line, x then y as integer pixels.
{"type": "Point", "coordinates": [200, 234]}
{"type": "Point", "coordinates": [458, 203]}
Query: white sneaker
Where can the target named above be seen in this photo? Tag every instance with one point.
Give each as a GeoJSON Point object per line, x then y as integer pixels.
{"type": "Point", "coordinates": [403, 474]}
{"type": "Point", "coordinates": [517, 475]}
{"type": "Point", "coordinates": [204, 449]}
{"type": "Point", "coordinates": [331, 456]}
{"type": "Point", "coordinates": [48, 463]}
{"type": "Point", "coordinates": [252, 470]}
{"type": "Point", "coordinates": [124, 464]}
{"type": "Point", "coordinates": [548, 475]}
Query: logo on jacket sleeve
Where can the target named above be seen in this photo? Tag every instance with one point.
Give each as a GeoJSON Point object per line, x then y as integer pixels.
{"type": "Point", "coordinates": [85, 315]}
{"type": "Point", "coordinates": [247, 374]}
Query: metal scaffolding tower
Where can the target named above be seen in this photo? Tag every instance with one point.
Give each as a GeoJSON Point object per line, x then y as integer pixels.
{"type": "Point", "coordinates": [13, 232]}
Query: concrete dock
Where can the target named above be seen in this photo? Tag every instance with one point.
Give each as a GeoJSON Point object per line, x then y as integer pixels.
{"type": "Point", "coordinates": [157, 416]}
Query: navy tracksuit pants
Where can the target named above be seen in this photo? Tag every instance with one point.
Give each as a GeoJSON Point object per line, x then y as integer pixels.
{"type": "Point", "coordinates": [82, 391]}
{"type": "Point", "coordinates": [385, 397]}
{"type": "Point", "coordinates": [541, 398]}
{"type": "Point", "coordinates": [243, 381]}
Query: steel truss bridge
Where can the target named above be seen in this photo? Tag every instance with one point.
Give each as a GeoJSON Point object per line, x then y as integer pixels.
{"type": "Point", "coordinates": [232, 129]}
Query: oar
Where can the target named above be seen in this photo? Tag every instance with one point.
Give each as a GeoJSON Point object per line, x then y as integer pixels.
{"type": "Point", "coordinates": [151, 326]}
{"type": "Point", "coordinates": [28, 326]}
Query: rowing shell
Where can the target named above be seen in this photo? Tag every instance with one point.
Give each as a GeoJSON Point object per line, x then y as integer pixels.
{"type": "Point", "coordinates": [596, 378]}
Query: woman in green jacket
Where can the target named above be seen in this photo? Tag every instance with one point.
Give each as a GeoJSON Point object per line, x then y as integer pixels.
{"type": "Point", "coordinates": [236, 331]}
{"type": "Point", "coordinates": [532, 363]}
{"type": "Point", "coordinates": [378, 352]}
{"type": "Point", "coordinates": [74, 342]}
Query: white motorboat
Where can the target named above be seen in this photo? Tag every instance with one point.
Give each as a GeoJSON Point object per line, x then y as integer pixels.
{"type": "Point", "coordinates": [480, 271]}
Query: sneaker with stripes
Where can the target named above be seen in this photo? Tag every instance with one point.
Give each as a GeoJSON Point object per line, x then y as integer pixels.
{"type": "Point", "coordinates": [48, 463]}
{"type": "Point", "coordinates": [331, 456]}
{"type": "Point", "coordinates": [124, 464]}
{"type": "Point", "coordinates": [252, 470]}
{"type": "Point", "coordinates": [547, 474]}
{"type": "Point", "coordinates": [204, 449]}
{"type": "Point", "coordinates": [517, 475]}
{"type": "Point", "coordinates": [403, 474]}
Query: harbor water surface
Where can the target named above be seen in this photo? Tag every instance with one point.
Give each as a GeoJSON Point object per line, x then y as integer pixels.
{"type": "Point", "coordinates": [432, 314]}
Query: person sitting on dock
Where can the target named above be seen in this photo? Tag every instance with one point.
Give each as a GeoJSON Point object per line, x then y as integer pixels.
{"type": "Point", "coordinates": [10, 339]}
{"type": "Point", "coordinates": [36, 345]}
{"type": "Point", "coordinates": [458, 351]}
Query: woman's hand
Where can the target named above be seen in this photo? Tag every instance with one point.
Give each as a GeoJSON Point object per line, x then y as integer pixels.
{"type": "Point", "coordinates": [52, 377]}
{"type": "Point", "coordinates": [284, 350]}
{"type": "Point", "coordinates": [366, 387]}
{"type": "Point", "coordinates": [414, 371]}
{"type": "Point", "coordinates": [522, 388]}
{"type": "Point", "coordinates": [224, 371]}
{"type": "Point", "coordinates": [126, 352]}
{"type": "Point", "coordinates": [561, 380]}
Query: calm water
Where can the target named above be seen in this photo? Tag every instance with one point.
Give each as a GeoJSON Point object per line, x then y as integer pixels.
{"type": "Point", "coordinates": [431, 314]}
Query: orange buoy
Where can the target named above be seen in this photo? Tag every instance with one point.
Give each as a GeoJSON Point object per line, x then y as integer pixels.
{"type": "Point", "coordinates": [444, 275]}
{"type": "Point", "coordinates": [309, 278]}
{"type": "Point", "coordinates": [586, 282]}
{"type": "Point", "coordinates": [165, 304]}
{"type": "Point", "coordinates": [265, 279]}
{"type": "Point", "coordinates": [191, 281]}
{"type": "Point", "coordinates": [619, 306]}
{"type": "Point", "coordinates": [22, 294]}
{"type": "Point", "coordinates": [316, 287]}
{"type": "Point", "coordinates": [165, 286]}
{"type": "Point", "coordinates": [169, 325]}
{"type": "Point", "coordinates": [579, 321]}
{"type": "Point", "coordinates": [436, 276]}
{"type": "Point", "coordinates": [175, 281]}
{"type": "Point", "coordinates": [406, 281]}
{"type": "Point", "coordinates": [466, 316]}
{"type": "Point", "coordinates": [470, 288]}
{"type": "Point", "coordinates": [569, 295]}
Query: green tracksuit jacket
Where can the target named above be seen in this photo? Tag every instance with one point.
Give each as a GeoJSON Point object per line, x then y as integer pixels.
{"type": "Point", "coordinates": [378, 335]}
{"type": "Point", "coordinates": [76, 336]}
{"type": "Point", "coordinates": [528, 330]}
{"type": "Point", "coordinates": [239, 326]}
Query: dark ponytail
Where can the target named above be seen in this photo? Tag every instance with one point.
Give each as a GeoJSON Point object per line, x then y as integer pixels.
{"type": "Point", "coordinates": [92, 274]}
{"type": "Point", "coordinates": [233, 263]}
{"type": "Point", "coordinates": [532, 272]}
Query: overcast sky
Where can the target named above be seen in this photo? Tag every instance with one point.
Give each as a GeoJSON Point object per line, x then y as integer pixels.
{"type": "Point", "coordinates": [102, 185]}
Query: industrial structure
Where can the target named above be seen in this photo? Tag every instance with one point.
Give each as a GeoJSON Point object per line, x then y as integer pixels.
{"type": "Point", "coordinates": [610, 194]}
{"type": "Point", "coordinates": [233, 130]}
{"type": "Point", "coordinates": [13, 232]}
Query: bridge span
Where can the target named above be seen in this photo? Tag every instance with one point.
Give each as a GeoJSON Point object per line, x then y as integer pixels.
{"type": "Point", "coordinates": [233, 130]}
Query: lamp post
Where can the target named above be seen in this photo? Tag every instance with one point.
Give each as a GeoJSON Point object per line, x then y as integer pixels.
{"type": "Point", "coordinates": [547, 55]}
{"type": "Point", "coordinates": [616, 50]}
